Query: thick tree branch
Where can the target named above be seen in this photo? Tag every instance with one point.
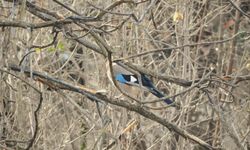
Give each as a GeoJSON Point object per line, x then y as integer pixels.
{"type": "Point", "coordinates": [94, 96]}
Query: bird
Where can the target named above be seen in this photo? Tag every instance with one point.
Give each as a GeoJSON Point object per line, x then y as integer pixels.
{"type": "Point", "coordinates": [123, 76]}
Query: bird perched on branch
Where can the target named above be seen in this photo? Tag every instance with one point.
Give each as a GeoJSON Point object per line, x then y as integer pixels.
{"type": "Point", "coordinates": [123, 76]}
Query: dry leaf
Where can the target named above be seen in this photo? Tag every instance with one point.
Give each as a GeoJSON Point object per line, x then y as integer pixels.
{"type": "Point", "coordinates": [177, 16]}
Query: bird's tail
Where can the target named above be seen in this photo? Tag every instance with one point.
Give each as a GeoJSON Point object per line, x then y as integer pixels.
{"type": "Point", "coordinates": [158, 94]}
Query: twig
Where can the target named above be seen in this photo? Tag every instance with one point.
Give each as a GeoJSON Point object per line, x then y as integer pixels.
{"type": "Point", "coordinates": [47, 45]}
{"type": "Point", "coordinates": [68, 8]}
{"type": "Point", "coordinates": [234, 42]}
{"type": "Point", "coordinates": [35, 113]}
{"type": "Point", "coordinates": [238, 8]}
{"type": "Point", "coordinates": [132, 107]}
{"type": "Point", "coordinates": [179, 47]}
{"type": "Point", "coordinates": [115, 4]}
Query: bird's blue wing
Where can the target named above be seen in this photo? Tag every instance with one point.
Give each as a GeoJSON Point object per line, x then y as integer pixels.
{"type": "Point", "coordinates": [121, 78]}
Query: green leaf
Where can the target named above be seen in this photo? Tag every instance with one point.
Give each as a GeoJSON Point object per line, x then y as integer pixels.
{"type": "Point", "coordinates": [38, 50]}
{"type": "Point", "coordinates": [51, 49]}
{"type": "Point", "coordinates": [60, 46]}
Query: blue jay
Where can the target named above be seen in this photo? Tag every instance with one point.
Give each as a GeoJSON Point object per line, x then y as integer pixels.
{"type": "Point", "coordinates": [124, 76]}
